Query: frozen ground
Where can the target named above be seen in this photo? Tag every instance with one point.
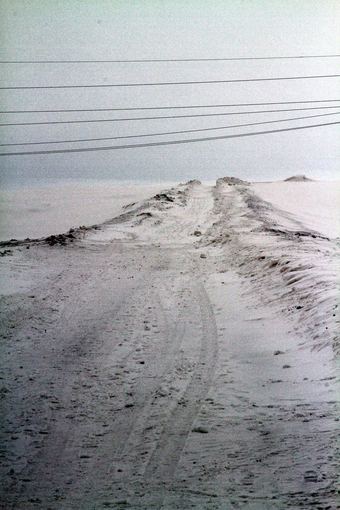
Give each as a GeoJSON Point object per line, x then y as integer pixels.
{"type": "Point", "coordinates": [45, 209]}
{"type": "Point", "coordinates": [315, 204]}
{"type": "Point", "coordinates": [181, 355]}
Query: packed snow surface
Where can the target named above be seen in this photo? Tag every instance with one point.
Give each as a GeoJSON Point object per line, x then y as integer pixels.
{"type": "Point", "coordinates": [183, 354]}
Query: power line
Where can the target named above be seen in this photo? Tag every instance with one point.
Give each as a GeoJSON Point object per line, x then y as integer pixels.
{"type": "Point", "coordinates": [163, 133]}
{"type": "Point", "coordinates": [152, 60]}
{"type": "Point", "coordinates": [154, 84]}
{"type": "Point", "coordinates": [161, 117]}
{"type": "Point", "coordinates": [168, 107]}
{"type": "Point", "coordinates": [171, 142]}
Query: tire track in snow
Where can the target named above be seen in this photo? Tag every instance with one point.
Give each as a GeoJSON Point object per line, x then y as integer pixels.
{"type": "Point", "coordinates": [166, 456]}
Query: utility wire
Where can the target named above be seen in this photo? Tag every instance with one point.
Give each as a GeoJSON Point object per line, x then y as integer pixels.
{"type": "Point", "coordinates": [171, 142]}
{"type": "Point", "coordinates": [135, 61]}
{"type": "Point", "coordinates": [154, 84]}
{"type": "Point", "coordinates": [168, 107]}
{"type": "Point", "coordinates": [163, 133]}
{"type": "Point", "coordinates": [161, 117]}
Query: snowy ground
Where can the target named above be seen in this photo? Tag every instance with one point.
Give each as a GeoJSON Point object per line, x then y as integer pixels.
{"type": "Point", "coordinates": [46, 209]}
{"type": "Point", "coordinates": [182, 355]}
{"type": "Point", "coordinates": [315, 204]}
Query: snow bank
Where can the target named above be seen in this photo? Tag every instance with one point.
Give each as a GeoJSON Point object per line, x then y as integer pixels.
{"type": "Point", "coordinates": [316, 205]}
{"type": "Point", "coordinates": [51, 209]}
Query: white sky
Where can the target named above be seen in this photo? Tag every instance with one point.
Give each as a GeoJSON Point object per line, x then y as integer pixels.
{"type": "Point", "coordinates": [171, 29]}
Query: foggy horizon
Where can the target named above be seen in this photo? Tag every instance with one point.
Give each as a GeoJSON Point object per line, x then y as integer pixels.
{"type": "Point", "coordinates": [158, 30]}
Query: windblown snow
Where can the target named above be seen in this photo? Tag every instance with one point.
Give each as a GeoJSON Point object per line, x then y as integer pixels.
{"type": "Point", "coordinates": [183, 354]}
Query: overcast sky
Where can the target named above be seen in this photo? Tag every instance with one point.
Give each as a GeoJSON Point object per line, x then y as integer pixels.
{"type": "Point", "coordinates": [87, 29]}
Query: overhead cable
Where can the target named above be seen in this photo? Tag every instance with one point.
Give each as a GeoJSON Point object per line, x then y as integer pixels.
{"type": "Point", "coordinates": [166, 83]}
{"type": "Point", "coordinates": [184, 107]}
{"type": "Point", "coordinates": [125, 119]}
{"type": "Point", "coordinates": [152, 60]}
{"type": "Point", "coordinates": [163, 133]}
{"type": "Point", "coordinates": [170, 142]}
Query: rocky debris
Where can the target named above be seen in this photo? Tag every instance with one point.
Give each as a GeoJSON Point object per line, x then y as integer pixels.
{"type": "Point", "coordinates": [127, 206]}
{"type": "Point", "coordinates": [232, 181]}
{"type": "Point", "coordinates": [61, 239]}
{"type": "Point", "coordinates": [51, 240]}
{"type": "Point", "coordinates": [3, 392]}
{"type": "Point", "coordinates": [291, 234]}
{"type": "Point", "coordinates": [163, 196]}
{"type": "Point", "coordinates": [193, 182]}
{"type": "Point", "coordinates": [11, 242]}
{"type": "Point", "coordinates": [298, 178]}
{"type": "Point", "coordinates": [145, 214]}
{"type": "Point", "coordinates": [5, 253]}
{"type": "Point", "coordinates": [200, 430]}
{"type": "Point", "coordinates": [221, 238]}
{"type": "Point", "coordinates": [310, 476]}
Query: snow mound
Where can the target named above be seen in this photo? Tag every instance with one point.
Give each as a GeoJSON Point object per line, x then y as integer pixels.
{"type": "Point", "coordinates": [298, 178]}
{"type": "Point", "coordinates": [193, 182]}
{"type": "Point", "coordinates": [232, 181]}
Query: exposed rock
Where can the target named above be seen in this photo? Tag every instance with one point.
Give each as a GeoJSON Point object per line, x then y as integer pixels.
{"type": "Point", "coordinates": [5, 252]}
{"type": "Point", "coordinates": [61, 239]}
{"type": "Point", "coordinates": [200, 430]}
{"type": "Point", "coordinates": [163, 196]}
{"type": "Point", "coordinates": [193, 182]}
{"type": "Point", "coordinates": [145, 214]}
